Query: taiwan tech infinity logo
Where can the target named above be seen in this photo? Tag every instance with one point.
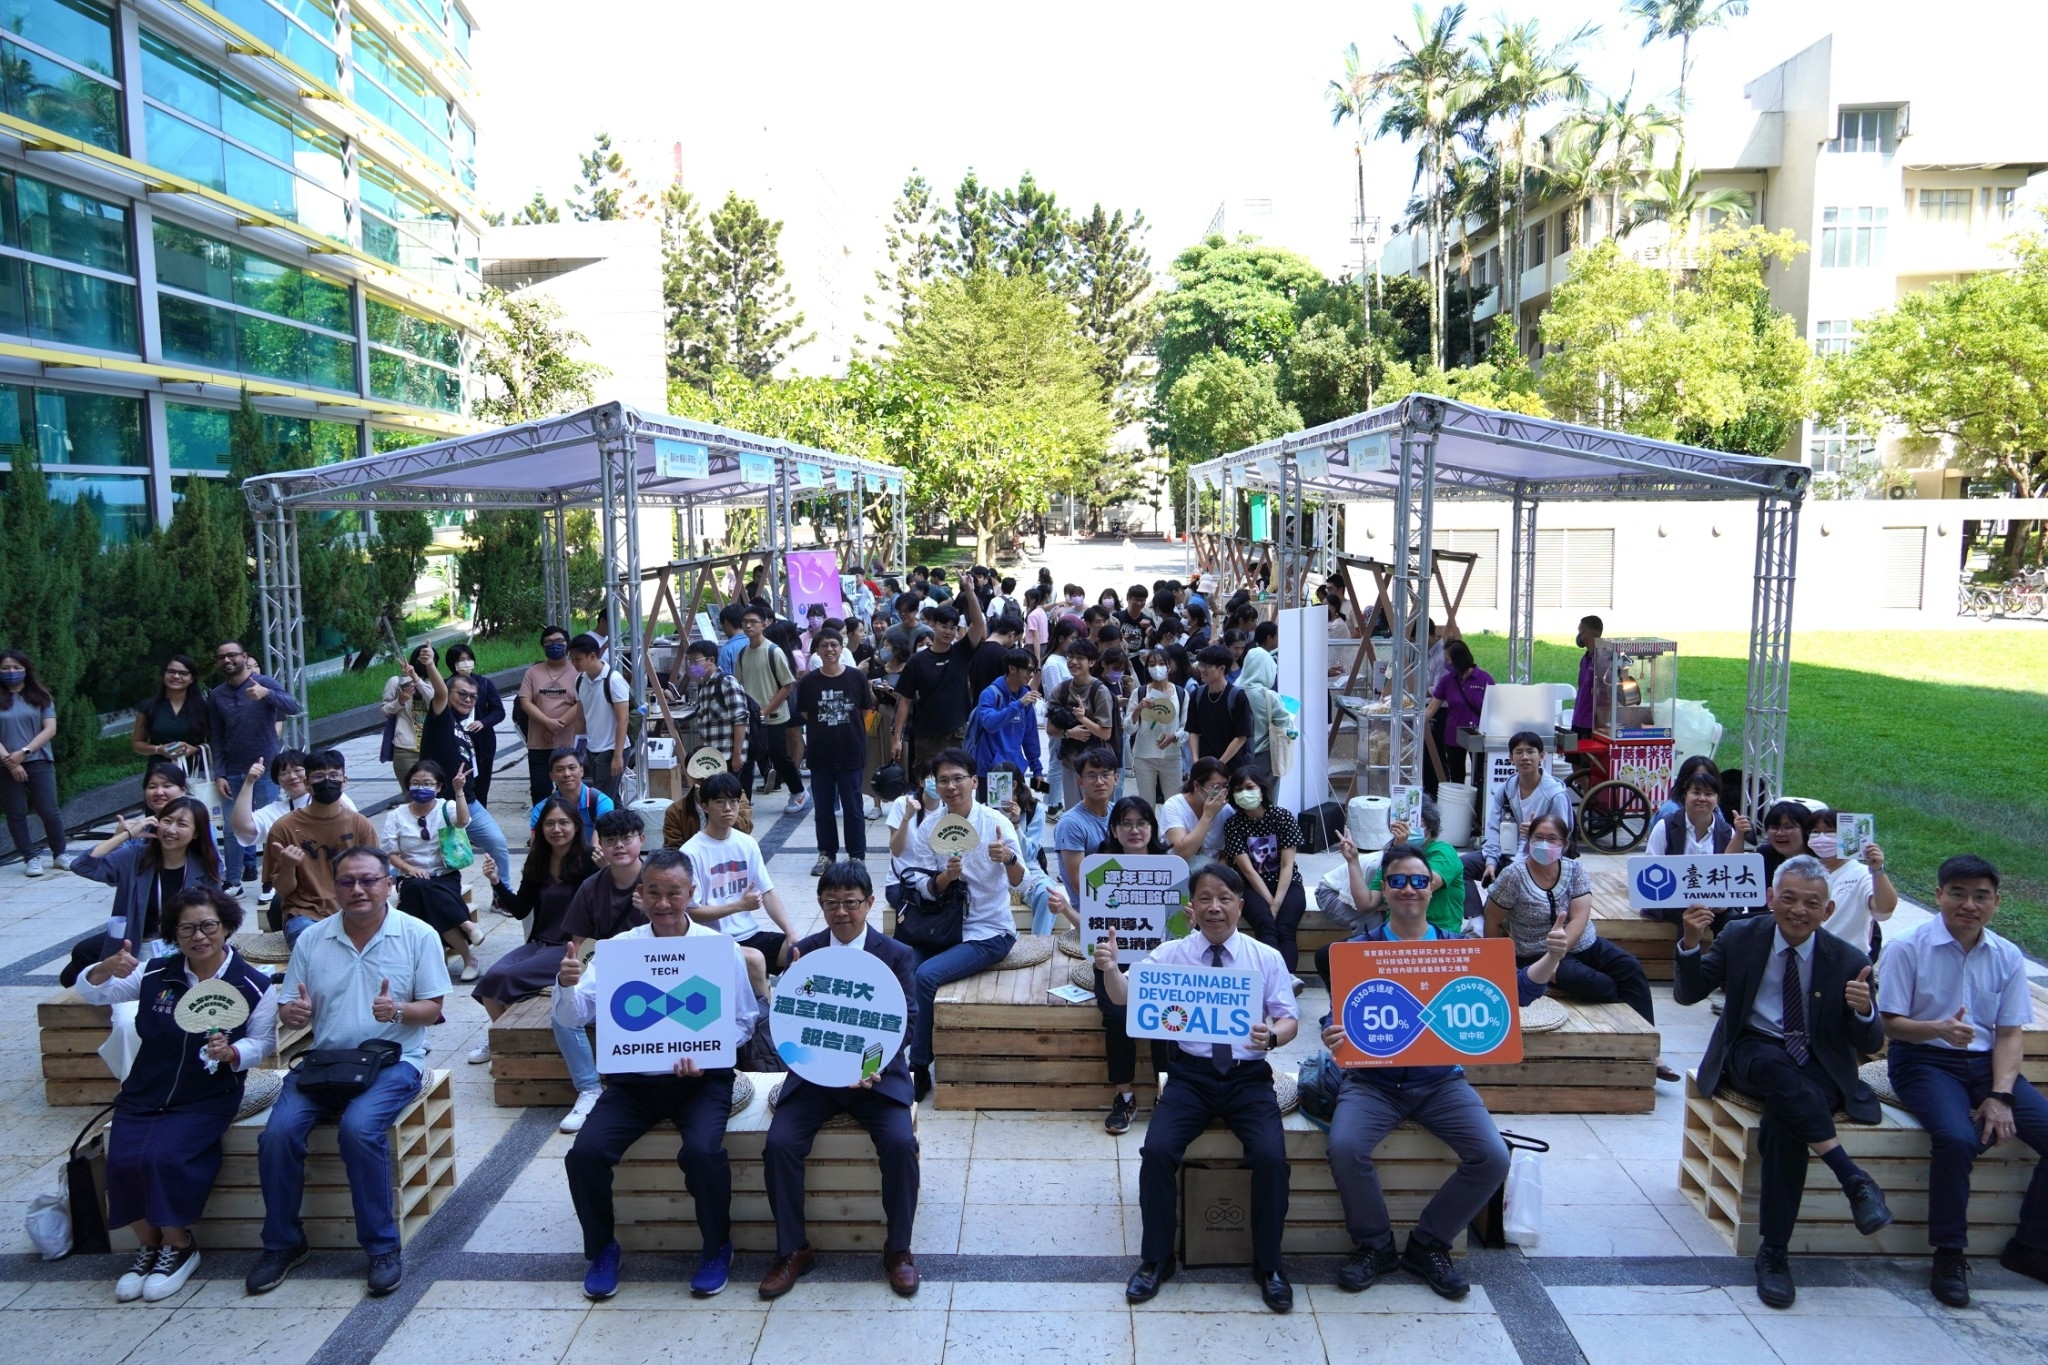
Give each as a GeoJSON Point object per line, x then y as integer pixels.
{"type": "Point", "coordinates": [637, 1005]}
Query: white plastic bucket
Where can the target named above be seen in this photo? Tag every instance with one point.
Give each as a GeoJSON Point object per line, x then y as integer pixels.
{"type": "Point", "coordinates": [1366, 817]}
{"type": "Point", "coordinates": [1454, 801]}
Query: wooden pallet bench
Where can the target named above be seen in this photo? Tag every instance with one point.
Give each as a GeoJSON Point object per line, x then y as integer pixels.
{"type": "Point", "coordinates": [1412, 1164]}
{"type": "Point", "coordinates": [1001, 1042]}
{"type": "Point", "coordinates": [526, 1066]}
{"type": "Point", "coordinates": [422, 1177]}
{"type": "Point", "coordinates": [842, 1187]}
{"type": "Point", "coordinates": [1652, 942]}
{"type": "Point", "coordinates": [70, 1033]}
{"type": "Point", "coordinates": [1719, 1172]}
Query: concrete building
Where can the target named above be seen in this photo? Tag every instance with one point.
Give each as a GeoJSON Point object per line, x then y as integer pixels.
{"type": "Point", "coordinates": [1890, 163]}
{"type": "Point", "coordinates": [198, 197]}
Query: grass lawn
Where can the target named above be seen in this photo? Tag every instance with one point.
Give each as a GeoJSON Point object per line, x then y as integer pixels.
{"type": "Point", "coordinates": [1939, 734]}
{"type": "Point", "coordinates": [113, 761]}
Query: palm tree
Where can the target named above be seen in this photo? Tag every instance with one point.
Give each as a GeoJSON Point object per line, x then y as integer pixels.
{"type": "Point", "coordinates": [1422, 93]}
{"type": "Point", "coordinates": [1681, 19]}
{"type": "Point", "coordinates": [1673, 195]}
{"type": "Point", "coordinates": [1350, 97]}
{"type": "Point", "coordinates": [1601, 154]}
{"type": "Point", "coordinates": [1514, 74]}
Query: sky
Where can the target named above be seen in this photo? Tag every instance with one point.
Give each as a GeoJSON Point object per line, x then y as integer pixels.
{"type": "Point", "coordinates": [818, 111]}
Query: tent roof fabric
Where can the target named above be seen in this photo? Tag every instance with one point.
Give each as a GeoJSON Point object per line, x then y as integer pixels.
{"type": "Point", "coordinates": [1484, 453]}
{"type": "Point", "coordinates": [555, 462]}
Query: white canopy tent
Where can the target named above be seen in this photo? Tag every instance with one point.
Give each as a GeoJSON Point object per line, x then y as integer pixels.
{"type": "Point", "coordinates": [1423, 448]}
{"type": "Point", "coordinates": [611, 458]}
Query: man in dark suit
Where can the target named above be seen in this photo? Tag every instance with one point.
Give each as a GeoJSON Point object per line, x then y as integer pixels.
{"type": "Point", "coordinates": [882, 1104]}
{"type": "Point", "coordinates": [1799, 1010]}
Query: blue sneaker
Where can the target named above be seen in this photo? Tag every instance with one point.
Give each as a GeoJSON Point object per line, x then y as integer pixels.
{"type": "Point", "coordinates": [602, 1280]}
{"type": "Point", "coordinates": [712, 1269]}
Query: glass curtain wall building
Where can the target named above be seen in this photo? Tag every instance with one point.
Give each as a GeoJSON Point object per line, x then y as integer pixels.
{"type": "Point", "coordinates": [198, 196]}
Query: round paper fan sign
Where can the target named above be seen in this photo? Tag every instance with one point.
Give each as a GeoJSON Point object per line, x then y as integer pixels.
{"type": "Point", "coordinates": [954, 836]}
{"type": "Point", "coordinates": [707, 762]}
{"type": "Point", "coordinates": [210, 1006]}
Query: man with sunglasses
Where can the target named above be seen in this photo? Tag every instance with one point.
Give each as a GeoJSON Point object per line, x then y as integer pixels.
{"type": "Point", "coordinates": [243, 714]}
{"type": "Point", "coordinates": [1373, 1101]}
{"type": "Point", "coordinates": [361, 974]}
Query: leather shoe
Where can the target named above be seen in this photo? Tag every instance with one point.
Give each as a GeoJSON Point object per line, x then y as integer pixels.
{"type": "Point", "coordinates": [783, 1275]}
{"type": "Point", "coordinates": [1949, 1280]}
{"type": "Point", "coordinates": [902, 1272]}
{"type": "Point", "coordinates": [1867, 1206]}
{"type": "Point", "coordinates": [2025, 1260]}
{"type": "Point", "coordinates": [1774, 1278]}
{"type": "Point", "coordinates": [1144, 1286]}
{"type": "Point", "coordinates": [1278, 1294]}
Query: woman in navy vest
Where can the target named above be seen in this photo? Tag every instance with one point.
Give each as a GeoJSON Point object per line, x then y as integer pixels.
{"type": "Point", "coordinates": [163, 1151]}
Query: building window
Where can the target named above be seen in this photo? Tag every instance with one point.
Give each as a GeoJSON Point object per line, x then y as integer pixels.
{"type": "Point", "coordinates": [2004, 201]}
{"type": "Point", "coordinates": [1837, 337]}
{"type": "Point", "coordinates": [77, 437]}
{"type": "Point", "coordinates": [390, 91]}
{"type": "Point", "coordinates": [1575, 568]}
{"type": "Point", "coordinates": [1832, 449]}
{"type": "Point", "coordinates": [1537, 254]}
{"type": "Point", "coordinates": [46, 229]}
{"type": "Point", "coordinates": [413, 360]}
{"type": "Point", "coordinates": [57, 68]}
{"type": "Point", "coordinates": [1482, 589]}
{"type": "Point", "coordinates": [404, 227]}
{"type": "Point", "coordinates": [1945, 206]}
{"type": "Point", "coordinates": [300, 31]}
{"type": "Point", "coordinates": [199, 438]}
{"type": "Point", "coordinates": [230, 309]}
{"type": "Point", "coordinates": [210, 128]}
{"type": "Point", "coordinates": [1865, 130]}
{"type": "Point", "coordinates": [1853, 238]}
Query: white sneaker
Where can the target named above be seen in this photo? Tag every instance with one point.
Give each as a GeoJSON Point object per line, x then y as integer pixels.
{"type": "Point", "coordinates": [32, 868]}
{"type": "Point", "coordinates": [586, 1100]}
{"type": "Point", "coordinates": [128, 1288]}
{"type": "Point", "coordinates": [64, 861]}
{"type": "Point", "coordinates": [478, 1056]}
{"type": "Point", "coordinates": [174, 1266]}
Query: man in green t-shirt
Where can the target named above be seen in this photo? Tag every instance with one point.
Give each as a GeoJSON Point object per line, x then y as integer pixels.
{"type": "Point", "coordinates": [1446, 871]}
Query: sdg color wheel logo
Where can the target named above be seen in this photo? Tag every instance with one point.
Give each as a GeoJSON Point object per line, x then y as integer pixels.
{"type": "Point", "coordinates": [637, 1005]}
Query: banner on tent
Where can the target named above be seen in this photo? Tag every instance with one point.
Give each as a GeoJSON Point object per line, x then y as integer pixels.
{"type": "Point", "coordinates": [681, 459]}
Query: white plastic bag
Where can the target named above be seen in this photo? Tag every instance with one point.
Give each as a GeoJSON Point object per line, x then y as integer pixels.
{"type": "Point", "coordinates": [1694, 731]}
{"type": "Point", "coordinates": [1522, 1200]}
{"type": "Point", "coordinates": [49, 1225]}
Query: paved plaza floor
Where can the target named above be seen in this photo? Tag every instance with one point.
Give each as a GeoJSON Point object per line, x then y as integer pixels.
{"type": "Point", "coordinates": [1027, 1228]}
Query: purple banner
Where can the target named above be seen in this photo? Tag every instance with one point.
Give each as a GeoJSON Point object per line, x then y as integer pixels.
{"type": "Point", "coordinates": [813, 577]}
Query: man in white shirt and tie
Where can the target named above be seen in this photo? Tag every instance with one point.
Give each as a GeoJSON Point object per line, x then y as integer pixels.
{"type": "Point", "coordinates": [1208, 1081]}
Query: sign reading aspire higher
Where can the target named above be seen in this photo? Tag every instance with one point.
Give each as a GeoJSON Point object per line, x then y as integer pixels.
{"type": "Point", "coordinates": [1716, 880]}
{"type": "Point", "coordinates": [661, 1000]}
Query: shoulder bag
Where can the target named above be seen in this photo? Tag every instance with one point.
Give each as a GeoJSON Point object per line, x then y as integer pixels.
{"type": "Point", "coordinates": [456, 852]}
{"type": "Point", "coordinates": [929, 925]}
{"type": "Point", "coordinates": [333, 1076]}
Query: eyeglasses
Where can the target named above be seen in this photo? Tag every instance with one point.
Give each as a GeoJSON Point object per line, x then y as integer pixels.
{"type": "Point", "coordinates": [176, 673]}
{"type": "Point", "coordinates": [1098, 775]}
{"type": "Point", "coordinates": [365, 883]}
{"type": "Point", "coordinates": [1985, 898]}
{"type": "Point", "coordinates": [840, 904]}
{"type": "Point", "coordinates": [956, 780]}
{"type": "Point", "coordinates": [1134, 827]}
{"type": "Point", "coordinates": [1525, 753]}
{"type": "Point", "coordinates": [198, 928]}
{"type": "Point", "coordinates": [1407, 881]}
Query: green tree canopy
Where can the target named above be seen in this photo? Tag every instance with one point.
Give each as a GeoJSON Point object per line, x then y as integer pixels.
{"type": "Point", "coordinates": [526, 367]}
{"type": "Point", "coordinates": [1237, 297]}
{"type": "Point", "coordinates": [1222, 403]}
{"type": "Point", "coordinates": [606, 189]}
{"type": "Point", "coordinates": [734, 296]}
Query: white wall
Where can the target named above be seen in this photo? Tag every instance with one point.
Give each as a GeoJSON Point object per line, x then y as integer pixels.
{"type": "Point", "coordinates": [607, 278]}
{"type": "Point", "coordinates": [1689, 565]}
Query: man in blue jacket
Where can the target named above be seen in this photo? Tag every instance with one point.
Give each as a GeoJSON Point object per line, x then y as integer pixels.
{"type": "Point", "coordinates": [1005, 720]}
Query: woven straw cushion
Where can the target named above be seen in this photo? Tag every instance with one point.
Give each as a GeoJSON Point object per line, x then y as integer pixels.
{"type": "Point", "coordinates": [1754, 1105]}
{"type": "Point", "coordinates": [259, 1090]}
{"type": "Point", "coordinates": [1083, 975]}
{"type": "Point", "coordinates": [1287, 1090]}
{"type": "Point", "coordinates": [1877, 1075]}
{"type": "Point", "coordinates": [742, 1091]}
{"type": "Point", "coordinates": [1027, 951]}
{"type": "Point", "coordinates": [1544, 1015]}
{"type": "Point", "coordinates": [1070, 943]}
{"type": "Point", "coordinates": [263, 947]}
{"type": "Point", "coordinates": [839, 1120]}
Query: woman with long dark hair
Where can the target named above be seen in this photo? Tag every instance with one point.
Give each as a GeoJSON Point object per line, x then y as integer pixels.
{"type": "Point", "coordinates": [170, 722]}
{"type": "Point", "coordinates": [148, 861]}
{"type": "Point", "coordinates": [28, 772]}
{"type": "Point", "coordinates": [483, 721]}
{"type": "Point", "coordinates": [559, 862]}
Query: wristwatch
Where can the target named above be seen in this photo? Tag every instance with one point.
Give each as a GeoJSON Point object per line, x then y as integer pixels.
{"type": "Point", "coordinates": [2002, 1096]}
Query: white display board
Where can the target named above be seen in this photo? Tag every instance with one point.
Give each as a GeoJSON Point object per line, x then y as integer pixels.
{"type": "Point", "coordinates": [1304, 659]}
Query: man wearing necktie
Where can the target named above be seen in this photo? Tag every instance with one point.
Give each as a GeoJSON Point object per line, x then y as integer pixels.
{"type": "Point", "coordinates": [1210, 1081]}
{"type": "Point", "coordinates": [1799, 1010]}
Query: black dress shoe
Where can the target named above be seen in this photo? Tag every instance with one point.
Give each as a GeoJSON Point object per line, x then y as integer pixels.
{"type": "Point", "coordinates": [921, 1078]}
{"type": "Point", "coordinates": [1144, 1285]}
{"type": "Point", "coordinates": [1278, 1294]}
{"type": "Point", "coordinates": [1867, 1206]}
{"type": "Point", "coordinates": [1774, 1278]}
{"type": "Point", "coordinates": [2025, 1260]}
{"type": "Point", "coordinates": [1949, 1281]}
{"type": "Point", "coordinates": [1430, 1260]}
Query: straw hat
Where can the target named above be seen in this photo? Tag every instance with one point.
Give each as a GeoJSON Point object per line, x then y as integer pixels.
{"type": "Point", "coordinates": [1544, 1015]}
{"type": "Point", "coordinates": [1070, 942]}
{"type": "Point", "coordinates": [1287, 1090]}
{"type": "Point", "coordinates": [1028, 951]}
{"type": "Point", "coordinates": [262, 946]}
{"type": "Point", "coordinates": [260, 1090]}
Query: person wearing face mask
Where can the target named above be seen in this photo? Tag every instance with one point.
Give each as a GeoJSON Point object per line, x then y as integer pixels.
{"type": "Point", "coordinates": [428, 889]}
{"type": "Point", "coordinates": [287, 772]}
{"type": "Point", "coordinates": [481, 724]}
{"type": "Point", "coordinates": [1258, 677]}
{"type": "Point", "coordinates": [1116, 676]}
{"type": "Point", "coordinates": [1860, 887]}
{"type": "Point", "coordinates": [242, 714]}
{"type": "Point", "coordinates": [1156, 742]}
{"type": "Point", "coordinates": [717, 721]}
{"type": "Point", "coordinates": [1075, 602]}
{"type": "Point", "coordinates": [298, 857]}
{"type": "Point", "coordinates": [28, 772]}
{"type": "Point", "coordinates": [1544, 889]}
{"type": "Point", "coordinates": [448, 741]}
{"type": "Point", "coordinates": [1192, 821]}
{"type": "Point", "coordinates": [407, 694]}
{"type": "Point", "coordinates": [552, 716]}
{"type": "Point", "coordinates": [1261, 842]}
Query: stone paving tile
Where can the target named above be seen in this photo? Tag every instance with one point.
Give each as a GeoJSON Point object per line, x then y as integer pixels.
{"type": "Point", "coordinates": [1327, 1300]}
{"type": "Point", "coordinates": [84, 1336]}
{"type": "Point", "coordinates": [650, 1337]}
{"type": "Point", "coordinates": [1040, 1338]}
{"type": "Point", "coordinates": [992, 1180]}
{"type": "Point", "coordinates": [803, 1336]}
{"type": "Point", "coordinates": [196, 1336]}
{"type": "Point", "coordinates": [981, 1296]}
{"type": "Point", "coordinates": [482, 1336]}
{"type": "Point", "coordinates": [1253, 1334]}
{"type": "Point", "coordinates": [1619, 1339]}
{"type": "Point", "coordinates": [1040, 1229]}
{"type": "Point", "coordinates": [1825, 1340]}
{"type": "Point", "coordinates": [1606, 1230]}
{"type": "Point", "coordinates": [1467, 1338]}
